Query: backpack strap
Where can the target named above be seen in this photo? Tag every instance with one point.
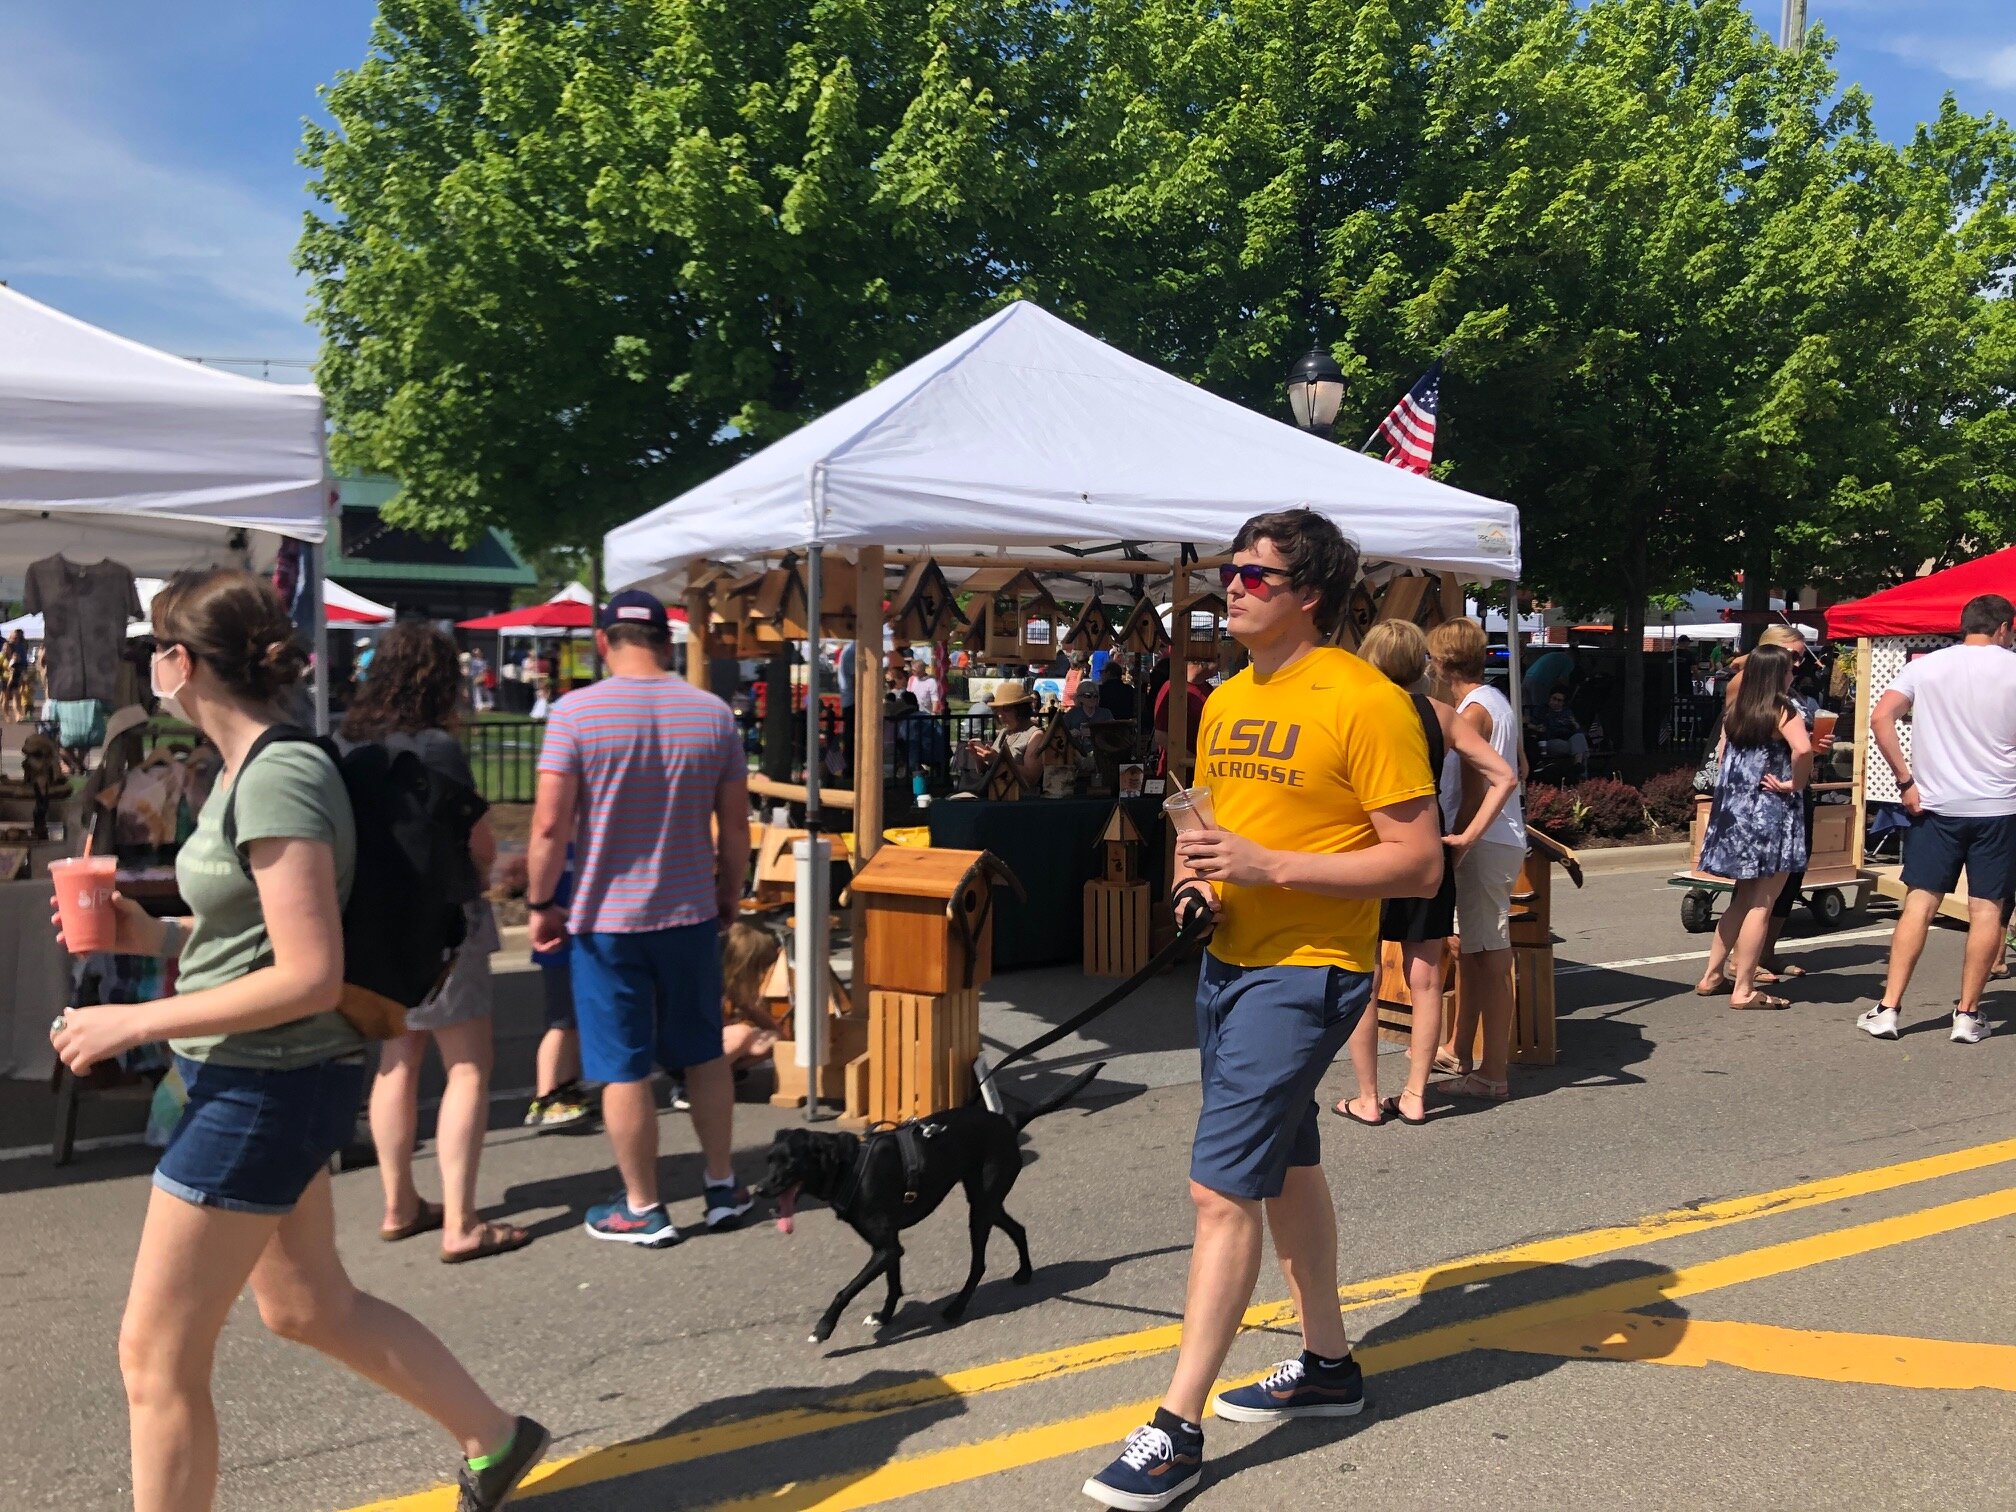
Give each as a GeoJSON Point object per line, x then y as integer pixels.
{"type": "Point", "coordinates": [271, 735]}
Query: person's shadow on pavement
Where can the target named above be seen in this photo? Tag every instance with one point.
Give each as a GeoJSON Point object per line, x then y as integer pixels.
{"type": "Point", "coordinates": [1474, 1329]}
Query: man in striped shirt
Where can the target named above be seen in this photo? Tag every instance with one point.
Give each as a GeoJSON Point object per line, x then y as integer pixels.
{"type": "Point", "coordinates": [633, 770]}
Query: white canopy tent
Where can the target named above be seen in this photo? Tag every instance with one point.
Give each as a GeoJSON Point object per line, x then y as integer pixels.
{"type": "Point", "coordinates": [1027, 432]}
{"type": "Point", "coordinates": [111, 449]}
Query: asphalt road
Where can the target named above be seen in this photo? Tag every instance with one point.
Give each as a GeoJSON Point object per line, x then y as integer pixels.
{"type": "Point", "coordinates": [1711, 1258]}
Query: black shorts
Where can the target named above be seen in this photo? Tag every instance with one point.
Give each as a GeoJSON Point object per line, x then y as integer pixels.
{"type": "Point", "coordinates": [559, 984]}
{"type": "Point", "coordinates": [1938, 847]}
{"type": "Point", "coordinates": [1415, 921]}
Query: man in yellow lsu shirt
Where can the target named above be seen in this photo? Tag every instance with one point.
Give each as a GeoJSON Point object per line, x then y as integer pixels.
{"type": "Point", "coordinates": [1318, 773]}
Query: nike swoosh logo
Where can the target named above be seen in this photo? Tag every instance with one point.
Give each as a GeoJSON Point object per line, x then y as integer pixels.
{"type": "Point", "coordinates": [1321, 687]}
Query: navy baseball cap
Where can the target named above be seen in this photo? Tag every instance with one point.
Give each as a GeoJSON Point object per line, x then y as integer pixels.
{"type": "Point", "coordinates": [633, 606]}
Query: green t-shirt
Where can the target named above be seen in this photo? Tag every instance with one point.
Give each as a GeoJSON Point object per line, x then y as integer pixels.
{"type": "Point", "coordinates": [292, 791]}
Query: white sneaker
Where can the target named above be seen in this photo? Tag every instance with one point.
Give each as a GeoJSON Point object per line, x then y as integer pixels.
{"type": "Point", "coordinates": [1878, 1022]}
{"type": "Point", "coordinates": [1969, 1028]}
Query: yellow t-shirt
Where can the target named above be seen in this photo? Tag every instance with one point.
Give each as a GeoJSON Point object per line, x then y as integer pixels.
{"type": "Point", "coordinates": [1294, 762]}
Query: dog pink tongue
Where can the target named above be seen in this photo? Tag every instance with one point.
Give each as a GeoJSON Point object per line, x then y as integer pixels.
{"type": "Point", "coordinates": [787, 1205]}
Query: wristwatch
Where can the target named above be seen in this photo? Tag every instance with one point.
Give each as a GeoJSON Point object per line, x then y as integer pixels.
{"type": "Point", "coordinates": [542, 907]}
{"type": "Point", "coordinates": [1905, 784]}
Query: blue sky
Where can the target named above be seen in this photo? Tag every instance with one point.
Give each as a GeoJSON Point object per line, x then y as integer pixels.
{"type": "Point", "coordinates": [148, 181]}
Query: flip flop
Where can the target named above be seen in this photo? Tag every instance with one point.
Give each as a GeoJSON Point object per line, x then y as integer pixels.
{"type": "Point", "coordinates": [427, 1219]}
{"type": "Point", "coordinates": [1760, 1000]}
{"type": "Point", "coordinates": [498, 1239]}
{"type": "Point", "coordinates": [1344, 1108]}
{"type": "Point", "coordinates": [1391, 1108]}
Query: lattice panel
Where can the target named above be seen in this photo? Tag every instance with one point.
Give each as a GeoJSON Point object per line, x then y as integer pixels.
{"type": "Point", "coordinates": [1887, 657]}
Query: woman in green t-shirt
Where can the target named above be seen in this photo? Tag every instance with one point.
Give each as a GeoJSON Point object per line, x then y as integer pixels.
{"type": "Point", "coordinates": [274, 1074]}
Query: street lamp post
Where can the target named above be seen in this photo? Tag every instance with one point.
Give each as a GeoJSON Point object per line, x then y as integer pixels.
{"type": "Point", "coordinates": [1315, 391]}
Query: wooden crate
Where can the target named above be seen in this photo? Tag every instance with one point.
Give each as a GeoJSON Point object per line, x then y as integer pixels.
{"type": "Point", "coordinates": [1533, 1042]}
{"type": "Point", "coordinates": [846, 1038]}
{"type": "Point", "coordinates": [1116, 928]}
{"type": "Point", "coordinates": [921, 1048]}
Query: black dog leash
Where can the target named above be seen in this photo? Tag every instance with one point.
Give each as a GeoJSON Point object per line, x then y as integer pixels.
{"type": "Point", "coordinates": [1193, 919]}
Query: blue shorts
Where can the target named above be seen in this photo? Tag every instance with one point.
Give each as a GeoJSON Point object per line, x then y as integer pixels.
{"type": "Point", "coordinates": [1938, 846]}
{"type": "Point", "coordinates": [1266, 1035]}
{"type": "Point", "coordinates": [251, 1141]}
{"type": "Point", "coordinates": [645, 999]}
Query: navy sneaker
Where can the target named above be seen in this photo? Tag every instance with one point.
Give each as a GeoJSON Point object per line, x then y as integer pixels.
{"type": "Point", "coordinates": [1157, 1465]}
{"type": "Point", "coordinates": [727, 1203]}
{"type": "Point", "coordinates": [615, 1220]}
{"type": "Point", "coordinates": [1297, 1388]}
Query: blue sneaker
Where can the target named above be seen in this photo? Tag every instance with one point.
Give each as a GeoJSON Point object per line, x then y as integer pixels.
{"type": "Point", "coordinates": [1156, 1466]}
{"type": "Point", "coordinates": [727, 1203]}
{"type": "Point", "coordinates": [615, 1220]}
{"type": "Point", "coordinates": [1297, 1388]}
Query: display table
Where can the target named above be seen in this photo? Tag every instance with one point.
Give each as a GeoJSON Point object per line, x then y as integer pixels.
{"type": "Point", "coordinates": [34, 979]}
{"type": "Point", "coordinates": [1052, 846]}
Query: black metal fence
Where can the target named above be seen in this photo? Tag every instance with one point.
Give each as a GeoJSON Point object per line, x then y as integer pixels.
{"type": "Point", "coordinates": [914, 745]}
{"type": "Point", "coordinates": [504, 757]}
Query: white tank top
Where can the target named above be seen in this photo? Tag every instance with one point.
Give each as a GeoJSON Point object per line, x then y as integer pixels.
{"type": "Point", "coordinates": [1509, 828]}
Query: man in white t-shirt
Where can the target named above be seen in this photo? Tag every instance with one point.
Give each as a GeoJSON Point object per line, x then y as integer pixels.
{"type": "Point", "coordinates": [924, 683]}
{"type": "Point", "coordinates": [1959, 786]}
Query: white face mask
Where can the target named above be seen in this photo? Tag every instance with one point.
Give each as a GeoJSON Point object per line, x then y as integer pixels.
{"type": "Point", "coordinates": [166, 696]}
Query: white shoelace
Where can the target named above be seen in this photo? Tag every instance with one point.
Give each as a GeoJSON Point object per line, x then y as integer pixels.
{"type": "Point", "coordinates": [1147, 1445]}
{"type": "Point", "coordinates": [1288, 1373]}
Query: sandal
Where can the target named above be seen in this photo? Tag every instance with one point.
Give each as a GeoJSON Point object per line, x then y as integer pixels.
{"type": "Point", "coordinates": [1476, 1087]}
{"type": "Point", "coordinates": [1724, 985]}
{"type": "Point", "coordinates": [1391, 1107]}
{"type": "Point", "coordinates": [1449, 1065]}
{"type": "Point", "coordinates": [496, 1239]}
{"type": "Point", "coordinates": [425, 1220]}
{"type": "Point", "coordinates": [1761, 1000]}
{"type": "Point", "coordinates": [1344, 1108]}
{"type": "Point", "coordinates": [1770, 976]}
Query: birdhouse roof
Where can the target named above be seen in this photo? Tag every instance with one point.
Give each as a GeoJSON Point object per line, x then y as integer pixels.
{"type": "Point", "coordinates": [1002, 580]}
{"type": "Point", "coordinates": [1120, 827]}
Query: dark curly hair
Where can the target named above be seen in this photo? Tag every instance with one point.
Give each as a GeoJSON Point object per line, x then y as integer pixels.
{"type": "Point", "coordinates": [1318, 556]}
{"type": "Point", "coordinates": [235, 624]}
{"type": "Point", "coordinates": [415, 684]}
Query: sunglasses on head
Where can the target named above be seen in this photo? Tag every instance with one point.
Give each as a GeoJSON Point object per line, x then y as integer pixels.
{"type": "Point", "coordinates": [1252, 575]}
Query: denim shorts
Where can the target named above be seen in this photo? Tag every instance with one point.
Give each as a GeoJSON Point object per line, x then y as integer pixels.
{"type": "Point", "coordinates": [250, 1141]}
{"type": "Point", "coordinates": [652, 998]}
{"type": "Point", "coordinates": [1266, 1035]}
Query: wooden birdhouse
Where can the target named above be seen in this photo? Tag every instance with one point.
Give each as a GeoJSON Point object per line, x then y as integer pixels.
{"type": "Point", "coordinates": [1002, 782]}
{"type": "Point", "coordinates": [1055, 743]}
{"type": "Point", "coordinates": [1121, 843]}
{"type": "Point", "coordinates": [1207, 621]}
{"type": "Point", "coordinates": [1142, 631]}
{"type": "Point", "coordinates": [923, 609]}
{"type": "Point", "coordinates": [1412, 597]}
{"type": "Point", "coordinates": [1361, 613]}
{"type": "Point", "coordinates": [1020, 617]}
{"type": "Point", "coordinates": [836, 599]}
{"type": "Point", "coordinates": [1092, 629]}
{"type": "Point", "coordinates": [754, 601]}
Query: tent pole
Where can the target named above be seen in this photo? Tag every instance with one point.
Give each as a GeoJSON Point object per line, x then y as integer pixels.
{"type": "Point", "coordinates": [318, 632]}
{"type": "Point", "coordinates": [813, 872]}
{"type": "Point", "coordinates": [867, 731]}
{"type": "Point", "coordinates": [1512, 666]}
{"type": "Point", "coordinates": [1178, 687]}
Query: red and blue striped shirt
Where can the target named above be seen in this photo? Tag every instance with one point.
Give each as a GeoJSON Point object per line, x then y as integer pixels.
{"type": "Point", "coordinates": [649, 755]}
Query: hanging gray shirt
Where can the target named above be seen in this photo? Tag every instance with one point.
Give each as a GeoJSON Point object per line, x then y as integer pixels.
{"type": "Point", "coordinates": [84, 614]}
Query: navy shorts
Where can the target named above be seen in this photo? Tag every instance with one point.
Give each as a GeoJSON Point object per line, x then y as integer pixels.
{"type": "Point", "coordinates": [251, 1141]}
{"type": "Point", "coordinates": [647, 999]}
{"type": "Point", "coordinates": [1266, 1035]}
{"type": "Point", "coordinates": [1937, 847]}
{"type": "Point", "coordinates": [557, 981]}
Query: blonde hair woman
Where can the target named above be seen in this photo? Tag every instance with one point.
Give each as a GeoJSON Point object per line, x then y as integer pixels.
{"type": "Point", "coordinates": [1399, 650]}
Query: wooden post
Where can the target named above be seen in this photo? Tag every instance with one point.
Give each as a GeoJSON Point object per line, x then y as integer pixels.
{"type": "Point", "coordinates": [1450, 587]}
{"type": "Point", "coordinates": [1179, 670]}
{"type": "Point", "coordinates": [697, 653]}
{"type": "Point", "coordinates": [1863, 647]}
{"type": "Point", "coordinates": [868, 662]}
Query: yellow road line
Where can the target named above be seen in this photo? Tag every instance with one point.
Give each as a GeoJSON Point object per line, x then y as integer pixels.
{"type": "Point", "coordinates": [1865, 1359]}
{"type": "Point", "coordinates": [848, 1408]}
{"type": "Point", "coordinates": [1029, 1446]}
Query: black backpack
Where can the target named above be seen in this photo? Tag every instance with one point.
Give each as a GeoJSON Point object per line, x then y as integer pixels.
{"type": "Point", "coordinates": [403, 922]}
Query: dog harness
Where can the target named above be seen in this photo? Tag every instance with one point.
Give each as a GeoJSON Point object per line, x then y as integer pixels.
{"type": "Point", "coordinates": [909, 1140]}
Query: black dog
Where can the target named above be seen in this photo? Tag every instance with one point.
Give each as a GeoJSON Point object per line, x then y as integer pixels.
{"type": "Point", "coordinates": [878, 1189]}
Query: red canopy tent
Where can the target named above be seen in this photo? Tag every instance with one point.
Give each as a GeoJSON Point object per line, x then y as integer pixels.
{"type": "Point", "coordinates": [1927, 605]}
{"type": "Point", "coordinates": [556, 614]}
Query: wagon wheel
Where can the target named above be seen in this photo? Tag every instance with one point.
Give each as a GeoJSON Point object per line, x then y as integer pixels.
{"type": "Point", "coordinates": [1697, 911]}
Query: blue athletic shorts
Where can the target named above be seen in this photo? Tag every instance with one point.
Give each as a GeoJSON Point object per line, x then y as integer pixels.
{"type": "Point", "coordinates": [251, 1141]}
{"type": "Point", "coordinates": [1938, 846]}
{"type": "Point", "coordinates": [1266, 1035]}
{"type": "Point", "coordinates": [645, 999]}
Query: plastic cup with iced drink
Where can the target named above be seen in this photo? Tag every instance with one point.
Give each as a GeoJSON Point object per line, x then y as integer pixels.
{"type": "Point", "coordinates": [84, 887]}
{"type": "Point", "coordinates": [1190, 809]}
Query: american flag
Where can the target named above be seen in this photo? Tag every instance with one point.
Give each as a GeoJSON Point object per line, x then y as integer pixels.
{"type": "Point", "coordinates": [1410, 424]}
